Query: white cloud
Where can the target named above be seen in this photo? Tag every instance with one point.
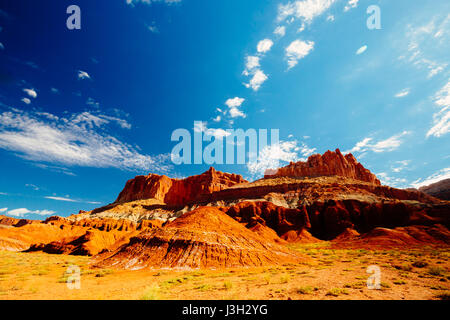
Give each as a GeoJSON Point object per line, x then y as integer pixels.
{"type": "Point", "coordinates": [270, 157]}
{"type": "Point", "coordinates": [305, 10]}
{"type": "Point", "coordinates": [54, 90]}
{"type": "Point", "coordinates": [330, 18]}
{"type": "Point", "coordinates": [361, 50]}
{"type": "Point", "coordinates": [218, 118]}
{"type": "Point", "coordinates": [30, 92]}
{"type": "Point", "coordinates": [402, 93]}
{"type": "Point", "coordinates": [280, 31]}
{"type": "Point", "coordinates": [78, 140]}
{"type": "Point", "coordinates": [24, 211]}
{"type": "Point", "coordinates": [441, 119]}
{"type": "Point", "coordinates": [233, 105]}
{"type": "Point", "coordinates": [435, 177]}
{"type": "Point", "coordinates": [3, 209]}
{"type": "Point", "coordinates": [234, 102]}
{"type": "Point", "coordinates": [235, 112]}
{"type": "Point", "coordinates": [252, 69]}
{"type": "Point", "coordinates": [19, 212]}
{"type": "Point", "coordinates": [264, 45]}
{"type": "Point", "coordinates": [297, 50]}
{"type": "Point", "coordinates": [389, 144]}
{"type": "Point", "coordinates": [25, 100]}
{"type": "Point", "coordinates": [251, 64]}
{"type": "Point", "coordinates": [83, 75]}
{"type": "Point", "coordinates": [274, 156]}
{"type": "Point", "coordinates": [259, 77]}
{"type": "Point", "coordinates": [351, 4]}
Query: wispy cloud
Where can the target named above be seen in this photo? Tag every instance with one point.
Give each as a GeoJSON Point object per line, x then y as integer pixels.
{"type": "Point", "coordinates": [389, 144]}
{"type": "Point", "coordinates": [422, 42]}
{"type": "Point", "coordinates": [280, 31]}
{"type": "Point", "coordinates": [79, 140]}
{"type": "Point", "coordinates": [351, 4]}
{"type": "Point", "coordinates": [67, 199]}
{"type": "Point", "coordinates": [435, 177]}
{"type": "Point", "coordinates": [441, 119]}
{"type": "Point", "coordinates": [402, 93]}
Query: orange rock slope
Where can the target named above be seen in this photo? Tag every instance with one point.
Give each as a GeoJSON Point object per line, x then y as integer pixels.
{"type": "Point", "coordinates": [203, 238]}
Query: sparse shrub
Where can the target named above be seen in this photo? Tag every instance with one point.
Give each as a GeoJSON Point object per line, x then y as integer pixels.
{"type": "Point", "coordinates": [151, 293]}
{"type": "Point", "coordinates": [436, 271]}
{"type": "Point", "coordinates": [307, 290]}
{"type": "Point", "coordinates": [336, 292]}
{"type": "Point", "coordinates": [227, 285]}
{"type": "Point", "coordinates": [285, 278]}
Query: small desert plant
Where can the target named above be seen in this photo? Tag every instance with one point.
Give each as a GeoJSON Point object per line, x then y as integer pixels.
{"type": "Point", "coordinates": [306, 290]}
{"type": "Point", "coordinates": [336, 292]}
{"type": "Point", "coordinates": [227, 285]}
{"type": "Point", "coordinates": [151, 293]}
{"type": "Point", "coordinates": [285, 278]}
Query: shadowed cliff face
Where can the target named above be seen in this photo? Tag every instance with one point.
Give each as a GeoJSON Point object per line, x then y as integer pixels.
{"type": "Point", "coordinates": [328, 164]}
{"type": "Point", "coordinates": [175, 191]}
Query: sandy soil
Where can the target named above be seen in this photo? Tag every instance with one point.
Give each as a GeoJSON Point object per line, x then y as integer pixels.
{"type": "Point", "coordinates": [415, 273]}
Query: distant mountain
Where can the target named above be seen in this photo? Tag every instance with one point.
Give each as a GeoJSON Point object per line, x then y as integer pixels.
{"type": "Point", "coordinates": [440, 190]}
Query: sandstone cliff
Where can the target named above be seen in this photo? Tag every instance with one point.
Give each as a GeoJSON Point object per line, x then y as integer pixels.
{"type": "Point", "coordinates": [177, 191]}
{"type": "Point", "coordinates": [328, 164]}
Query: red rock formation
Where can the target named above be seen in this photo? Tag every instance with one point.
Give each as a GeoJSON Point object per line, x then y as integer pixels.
{"type": "Point", "coordinates": [328, 164]}
{"type": "Point", "coordinates": [203, 238]}
{"type": "Point", "coordinates": [8, 221]}
{"type": "Point", "coordinates": [177, 191]}
{"type": "Point", "coordinates": [382, 238]}
{"type": "Point", "coordinates": [440, 189]}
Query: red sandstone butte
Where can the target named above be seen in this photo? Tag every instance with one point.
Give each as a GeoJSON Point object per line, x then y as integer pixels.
{"type": "Point", "coordinates": [177, 191]}
{"type": "Point", "coordinates": [328, 164]}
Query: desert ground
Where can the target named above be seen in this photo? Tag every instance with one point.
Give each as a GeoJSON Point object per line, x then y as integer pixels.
{"type": "Point", "coordinates": [420, 272]}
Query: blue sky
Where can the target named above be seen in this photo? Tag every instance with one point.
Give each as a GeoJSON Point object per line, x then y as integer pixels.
{"type": "Point", "coordinates": [82, 111]}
